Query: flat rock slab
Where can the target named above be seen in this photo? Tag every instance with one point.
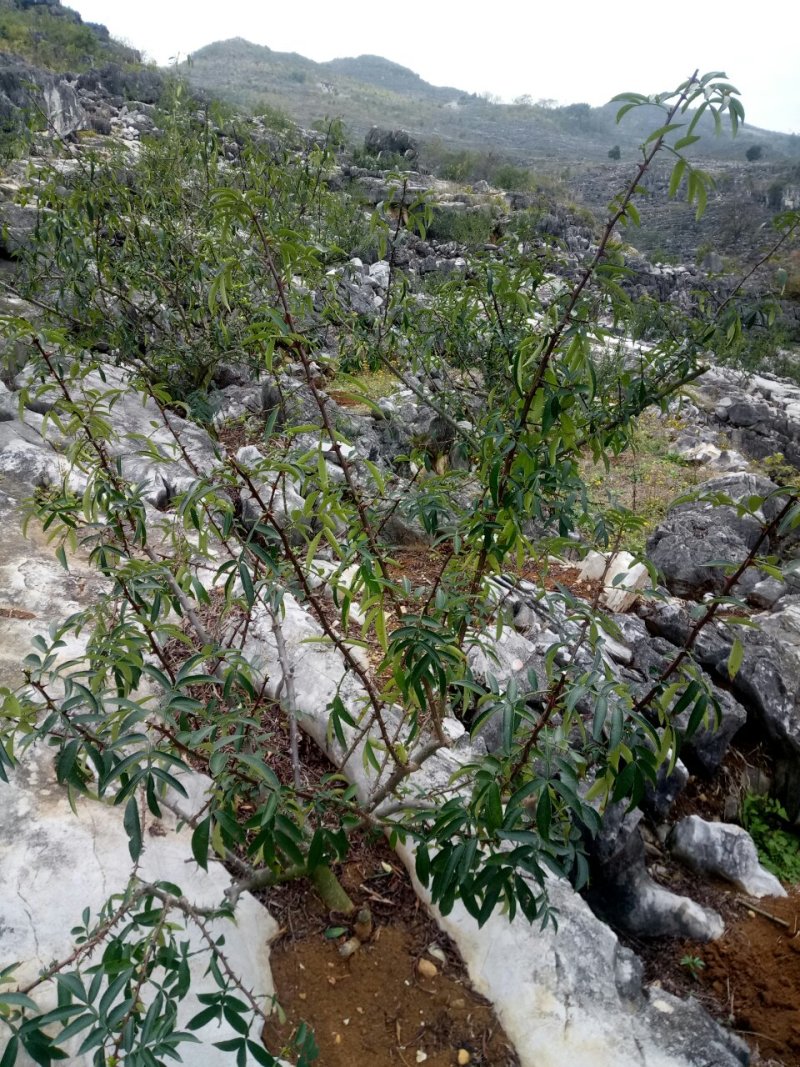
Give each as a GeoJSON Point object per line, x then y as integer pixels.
{"type": "Point", "coordinates": [54, 863]}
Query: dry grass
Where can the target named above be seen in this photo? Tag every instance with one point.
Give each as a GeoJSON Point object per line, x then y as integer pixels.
{"type": "Point", "coordinates": [646, 478]}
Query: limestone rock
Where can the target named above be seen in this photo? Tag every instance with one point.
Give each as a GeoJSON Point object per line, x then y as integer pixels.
{"type": "Point", "coordinates": [689, 543]}
{"type": "Point", "coordinates": [54, 863]}
{"type": "Point", "coordinates": [622, 890]}
{"type": "Point", "coordinates": [725, 850]}
{"type": "Point", "coordinates": [622, 578]}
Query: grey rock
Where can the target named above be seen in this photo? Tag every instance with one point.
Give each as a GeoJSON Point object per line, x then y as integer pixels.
{"type": "Point", "coordinates": [725, 850]}
{"type": "Point", "coordinates": [22, 86]}
{"type": "Point", "coordinates": [17, 227]}
{"type": "Point", "coordinates": [767, 592]}
{"type": "Point", "coordinates": [659, 797]}
{"type": "Point", "coordinates": [694, 537]}
{"type": "Point", "coordinates": [622, 891]}
{"type": "Point", "coordinates": [396, 142]}
{"type": "Point", "coordinates": [280, 493]}
{"type": "Point", "coordinates": [232, 374]}
{"type": "Point", "coordinates": [767, 683]}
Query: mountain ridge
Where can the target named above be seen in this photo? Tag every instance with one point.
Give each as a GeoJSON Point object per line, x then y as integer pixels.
{"type": "Point", "coordinates": [369, 90]}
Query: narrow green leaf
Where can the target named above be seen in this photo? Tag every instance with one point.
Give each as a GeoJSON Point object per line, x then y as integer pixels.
{"type": "Point", "coordinates": [200, 842]}
{"type": "Point", "coordinates": [735, 658]}
{"type": "Point", "coordinates": [133, 828]}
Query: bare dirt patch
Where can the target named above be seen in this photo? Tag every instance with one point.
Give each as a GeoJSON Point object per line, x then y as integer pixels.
{"type": "Point", "coordinates": [755, 969]}
{"type": "Point", "coordinates": [382, 1006]}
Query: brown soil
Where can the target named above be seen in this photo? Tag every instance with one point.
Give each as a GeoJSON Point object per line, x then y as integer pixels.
{"type": "Point", "coordinates": [755, 970]}
{"type": "Point", "coordinates": [375, 1008]}
{"type": "Point", "coordinates": [749, 980]}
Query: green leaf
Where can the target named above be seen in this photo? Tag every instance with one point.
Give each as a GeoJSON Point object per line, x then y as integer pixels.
{"type": "Point", "coordinates": [544, 813]}
{"type": "Point", "coordinates": [260, 1054]}
{"type": "Point", "coordinates": [133, 828]}
{"type": "Point", "coordinates": [10, 1054]}
{"type": "Point", "coordinates": [200, 842]}
{"type": "Point", "coordinates": [18, 1000]}
{"type": "Point", "coordinates": [247, 583]}
{"type": "Point", "coordinates": [204, 1017]}
{"type": "Point", "coordinates": [735, 658]}
{"type": "Point", "coordinates": [676, 177]}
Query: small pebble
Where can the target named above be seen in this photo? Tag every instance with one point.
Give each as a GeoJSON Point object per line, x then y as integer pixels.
{"type": "Point", "coordinates": [437, 953]}
{"type": "Point", "coordinates": [349, 947]}
{"type": "Point", "coordinates": [421, 1056]}
{"type": "Point", "coordinates": [427, 969]}
{"type": "Point", "coordinates": [464, 1057]}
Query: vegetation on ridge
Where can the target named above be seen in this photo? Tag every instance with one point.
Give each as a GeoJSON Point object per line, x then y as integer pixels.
{"type": "Point", "coordinates": [55, 38]}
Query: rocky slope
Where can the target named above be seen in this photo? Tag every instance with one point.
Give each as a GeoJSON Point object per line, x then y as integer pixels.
{"type": "Point", "coordinates": [568, 995]}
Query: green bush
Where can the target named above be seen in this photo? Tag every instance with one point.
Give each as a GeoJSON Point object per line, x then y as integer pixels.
{"type": "Point", "coordinates": [766, 821]}
{"type": "Point", "coordinates": [513, 178]}
{"type": "Point", "coordinates": [174, 262]}
{"type": "Point", "coordinates": [56, 42]}
{"type": "Point", "coordinates": [468, 226]}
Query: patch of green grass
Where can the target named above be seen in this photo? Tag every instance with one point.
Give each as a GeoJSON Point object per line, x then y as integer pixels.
{"type": "Point", "coordinates": [373, 384]}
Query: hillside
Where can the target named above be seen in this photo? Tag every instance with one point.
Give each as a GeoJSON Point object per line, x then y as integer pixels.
{"type": "Point", "coordinates": [370, 90]}
{"type": "Point", "coordinates": [49, 35]}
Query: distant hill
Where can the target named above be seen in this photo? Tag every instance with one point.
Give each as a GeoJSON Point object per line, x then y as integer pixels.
{"type": "Point", "coordinates": [370, 90]}
{"type": "Point", "coordinates": [375, 70]}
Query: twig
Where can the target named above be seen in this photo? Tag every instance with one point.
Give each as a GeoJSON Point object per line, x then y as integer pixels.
{"type": "Point", "coordinates": [745, 903]}
{"type": "Point", "coordinates": [287, 668]}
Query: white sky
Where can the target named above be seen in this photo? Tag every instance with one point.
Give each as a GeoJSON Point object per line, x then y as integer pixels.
{"type": "Point", "coordinates": [581, 50]}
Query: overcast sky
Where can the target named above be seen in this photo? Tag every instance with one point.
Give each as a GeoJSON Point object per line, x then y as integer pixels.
{"type": "Point", "coordinates": [582, 50]}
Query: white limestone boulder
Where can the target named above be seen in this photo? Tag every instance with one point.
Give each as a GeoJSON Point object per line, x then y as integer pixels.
{"type": "Point", "coordinates": [55, 862]}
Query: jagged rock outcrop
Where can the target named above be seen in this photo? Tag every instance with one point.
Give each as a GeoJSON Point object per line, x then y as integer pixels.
{"type": "Point", "coordinates": [689, 544]}
{"type": "Point", "coordinates": [38, 97]}
{"type": "Point", "coordinates": [396, 142]}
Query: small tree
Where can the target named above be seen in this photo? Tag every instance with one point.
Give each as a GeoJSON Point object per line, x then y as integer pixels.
{"type": "Point", "coordinates": [200, 259]}
{"type": "Point", "coordinates": [614, 153]}
{"type": "Point", "coordinates": [754, 153]}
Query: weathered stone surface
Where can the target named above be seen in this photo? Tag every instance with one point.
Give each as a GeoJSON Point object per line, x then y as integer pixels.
{"type": "Point", "coordinates": [396, 142]}
{"type": "Point", "coordinates": [54, 863]}
{"type": "Point", "coordinates": [622, 890]}
{"type": "Point", "coordinates": [622, 578]}
{"type": "Point", "coordinates": [574, 996]}
{"type": "Point", "coordinates": [144, 440]}
{"type": "Point", "coordinates": [695, 537]}
{"type": "Point", "coordinates": [22, 86]}
{"type": "Point", "coordinates": [659, 798]}
{"type": "Point", "coordinates": [725, 850]}
{"type": "Point", "coordinates": [760, 416]}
